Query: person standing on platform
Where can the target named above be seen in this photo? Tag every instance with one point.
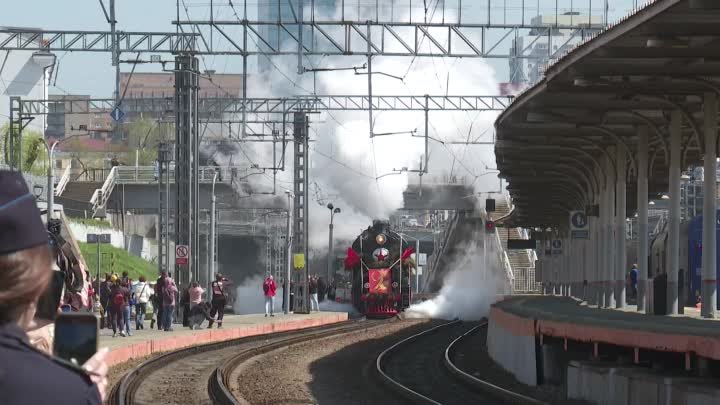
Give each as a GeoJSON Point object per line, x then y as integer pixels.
{"type": "Point", "coordinates": [158, 302]}
{"type": "Point", "coordinates": [184, 298]}
{"type": "Point", "coordinates": [143, 292]}
{"type": "Point", "coordinates": [218, 301]}
{"type": "Point", "coordinates": [633, 281]}
{"type": "Point", "coordinates": [129, 304]}
{"type": "Point", "coordinates": [313, 290]}
{"type": "Point", "coordinates": [104, 294]}
{"type": "Point", "coordinates": [269, 288]}
{"type": "Point", "coordinates": [196, 293]}
{"type": "Point", "coordinates": [169, 293]}
{"type": "Point", "coordinates": [118, 303]}
{"type": "Point", "coordinates": [322, 289]}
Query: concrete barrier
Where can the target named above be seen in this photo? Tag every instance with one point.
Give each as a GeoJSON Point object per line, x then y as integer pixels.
{"type": "Point", "coordinates": [605, 384]}
{"type": "Point", "coordinates": [175, 342]}
{"type": "Point", "coordinates": [511, 344]}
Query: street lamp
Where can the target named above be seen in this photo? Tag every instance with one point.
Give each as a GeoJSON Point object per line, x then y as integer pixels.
{"type": "Point", "coordinates": [51, 172]}
{"type": "Point", "coordinates": [333, 210]}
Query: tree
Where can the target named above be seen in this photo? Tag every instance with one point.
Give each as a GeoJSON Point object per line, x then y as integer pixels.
{"type": "Point", "coordinates": [143, 136]}
{"type": "Point", "coordinates": [34, 152]}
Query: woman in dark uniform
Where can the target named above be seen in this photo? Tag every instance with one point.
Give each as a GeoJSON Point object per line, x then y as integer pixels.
{"type": "Point", "coordinates": [27, 375]}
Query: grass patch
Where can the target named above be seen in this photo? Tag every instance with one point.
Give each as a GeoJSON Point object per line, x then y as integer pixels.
{"type": "Point", "coordinates": [116, 260]}
{"type": "Point", "coordinates": [98, 223]}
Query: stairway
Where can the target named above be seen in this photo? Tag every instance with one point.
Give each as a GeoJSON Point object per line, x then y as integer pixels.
{"type": "Point", "coordinates": [520, 262]}
{"type": "Point", "coordinates": [463, 231]}
{"type": "Point", "coordinates": [75, 199]}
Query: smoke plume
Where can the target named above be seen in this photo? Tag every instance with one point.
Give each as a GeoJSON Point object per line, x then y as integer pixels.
{"type": "Point", "coordinates": [475, 282]}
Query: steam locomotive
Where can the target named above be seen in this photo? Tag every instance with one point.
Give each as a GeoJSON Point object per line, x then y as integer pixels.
{"type": "Point", "coordinates": [380, 262]}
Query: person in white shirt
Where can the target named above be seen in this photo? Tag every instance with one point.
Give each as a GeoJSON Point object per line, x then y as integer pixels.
{"type": "Point", "coordinates": [142, 291]}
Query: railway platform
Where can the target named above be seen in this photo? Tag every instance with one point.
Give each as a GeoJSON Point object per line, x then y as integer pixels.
{"type": "Point", "coordinates": [149, 341]}
{"type": "Point", "coordinates": [606, 354]}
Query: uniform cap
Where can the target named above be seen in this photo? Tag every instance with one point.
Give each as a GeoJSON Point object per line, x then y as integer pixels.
{"type": "Point", "coordinates": [20, 224]}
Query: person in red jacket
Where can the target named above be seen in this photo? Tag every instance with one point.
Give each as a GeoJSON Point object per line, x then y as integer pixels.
{"type": "Point", "coordinates": [269, 288]}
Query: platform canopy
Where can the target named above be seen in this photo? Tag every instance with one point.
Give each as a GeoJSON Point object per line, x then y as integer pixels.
{"type": "Point", "coordinates": [552, 137]}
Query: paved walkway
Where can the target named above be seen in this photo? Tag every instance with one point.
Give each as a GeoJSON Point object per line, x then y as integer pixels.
{"type": "Point", "coordinates": [560, 309]}
{"type": "Point", "coordinates": [569, 318]}
{"type": "Point", "coordinates": [148, 341]}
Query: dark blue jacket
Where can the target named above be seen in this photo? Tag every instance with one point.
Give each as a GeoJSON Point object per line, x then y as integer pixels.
{"type": "Point", "coordinates": [28, 376]}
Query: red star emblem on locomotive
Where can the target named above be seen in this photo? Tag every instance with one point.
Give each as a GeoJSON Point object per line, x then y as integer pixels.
{"type": "Point", "coordinates": [381, 254]}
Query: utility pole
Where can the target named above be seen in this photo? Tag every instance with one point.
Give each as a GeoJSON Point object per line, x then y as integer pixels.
{"type": "Point", "coordinates": [288, 274]}
{"type": "Point", "coordinates": [300, 207]}
{"type": "Point", "coordinates": [211, 270]}
{"type": "Point", "coordinates": [186, 162]}
{"type": "Point", "coordinates": [417, 265]}
{"type": "Point", "coordinates": [116, 63]}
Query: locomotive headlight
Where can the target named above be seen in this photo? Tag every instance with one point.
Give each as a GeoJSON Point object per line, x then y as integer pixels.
{"type": "Point", "coordinates": [366, 285]}
{"type": "Point", "coordinates": [395, 284]}
{"type": "Point", "coordinates": [380, 239]}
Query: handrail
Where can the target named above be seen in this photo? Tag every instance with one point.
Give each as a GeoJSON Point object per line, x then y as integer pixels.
{"type": "Point", "coordinates": [532, 256]}
{"type": "Point", "coordinates": [504, 258]}
{"type": "Point", "coordinates": [148, 175]}
{"type": "Point", "coordinates": [64, 180]}
{"type": "Point", "coordinates": [440, 251]}
{"type": "Point", "coordinates": [100, 196]}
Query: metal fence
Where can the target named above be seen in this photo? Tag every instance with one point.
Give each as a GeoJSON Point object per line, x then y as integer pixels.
{"type": "Point", "coordinates": [525, 281]}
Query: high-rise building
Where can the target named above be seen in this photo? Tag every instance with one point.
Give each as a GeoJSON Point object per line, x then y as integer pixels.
{"type": "Point", "coordinates": [539, 47]}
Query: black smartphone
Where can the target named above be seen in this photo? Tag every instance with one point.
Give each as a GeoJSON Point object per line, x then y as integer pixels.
{"type": "Point", "coordinates": [76, 337]}
{"type": "Point", "coordinates": [49, 301]}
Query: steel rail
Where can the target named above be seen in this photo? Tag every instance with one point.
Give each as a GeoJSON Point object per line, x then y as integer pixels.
{"type": "Point", "coordinates": [480, 385]}
{"type": "Point", "coordinates": [220, 380]}
{"type": "Point", "coordinates": [492, 389]}
{"type": "Point", "coordinates": [395, 385]}
{"type": "Point", "coordinates": [124, 392]}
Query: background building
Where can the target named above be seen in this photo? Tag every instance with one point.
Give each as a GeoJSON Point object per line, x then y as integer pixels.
{"type": "Point", "coordinates": [538, 45]}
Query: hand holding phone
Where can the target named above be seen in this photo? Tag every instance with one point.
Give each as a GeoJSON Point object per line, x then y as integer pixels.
{"type": "Point", "coordinates": [76, 337]}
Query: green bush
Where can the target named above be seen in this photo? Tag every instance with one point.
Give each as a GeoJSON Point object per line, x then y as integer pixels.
{"type": "Point", "coordinates": [98, 223]}
{"type": "Point", "coordinates": [116, 260]}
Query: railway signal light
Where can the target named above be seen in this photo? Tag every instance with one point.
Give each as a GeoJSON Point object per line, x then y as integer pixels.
{"type": "Point", "coordinates": [489, 226]}
{"type": "Point", "coordinates": [490, 205]}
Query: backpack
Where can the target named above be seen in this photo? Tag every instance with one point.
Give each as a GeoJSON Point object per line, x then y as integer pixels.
{"type": "Point", "coordinates": [168, 294]}
{"type": "Point", "coordinates": [118, 298]}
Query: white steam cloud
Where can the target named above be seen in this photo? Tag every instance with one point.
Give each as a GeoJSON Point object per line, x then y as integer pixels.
{"type": "Point", "coordinates": [251, 299]}
{"type": "Point", "coordinates": [345, 162]}
{"type": "Point", "coordinates": [475, 282]}
{"type": "Point", "coordinates": [333, 306]}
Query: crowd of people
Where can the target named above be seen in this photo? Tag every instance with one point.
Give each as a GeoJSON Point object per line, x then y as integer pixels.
{"type": "Point", "coordinates": [32, 296]}
{"type": "Point", "coordinates": [122, 300]}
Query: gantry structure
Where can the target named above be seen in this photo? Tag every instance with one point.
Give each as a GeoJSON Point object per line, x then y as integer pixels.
{"type": "Point", "coordinates": [304, 34]}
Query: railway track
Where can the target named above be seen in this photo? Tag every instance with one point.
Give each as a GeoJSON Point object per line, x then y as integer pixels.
{"type": "Point", "coordinates": [420, 368]}
{"type": "Point", "coordinates": [195, 370]}
{"type": "Point", "coordinates": [225, 376]}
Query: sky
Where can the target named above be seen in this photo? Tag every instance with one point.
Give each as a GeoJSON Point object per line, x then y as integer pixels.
{"type": "Point", "coordinates": [84, 73]}
{"type": "Point", "coordinates": [345, 162]}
